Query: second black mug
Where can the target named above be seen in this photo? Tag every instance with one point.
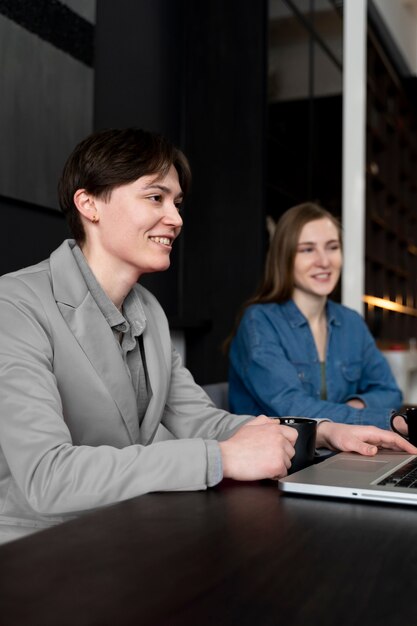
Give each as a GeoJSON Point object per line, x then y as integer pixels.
{"type": "Point", "coordinates": [410, 417]}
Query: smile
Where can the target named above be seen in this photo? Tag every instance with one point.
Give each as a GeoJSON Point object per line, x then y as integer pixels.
{"type": "Point", "coordinates": [322, 276]}
{"type": "Point", "coordinates": [164, 240]}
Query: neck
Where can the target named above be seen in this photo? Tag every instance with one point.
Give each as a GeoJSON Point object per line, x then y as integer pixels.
{"type": "Point", "coordinates": [116, 281]}
{"type": "Point", "coordinates": [312, 307]}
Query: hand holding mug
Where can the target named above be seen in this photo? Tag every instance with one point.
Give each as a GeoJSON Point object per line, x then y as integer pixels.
{"type": "Point", "coordinates": [410, 418]}
{"type": "Point", "coordinates": [305, 446]}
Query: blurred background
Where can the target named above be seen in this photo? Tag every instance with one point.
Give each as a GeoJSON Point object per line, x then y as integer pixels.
{"type": "Point", "coordinates": [275, 102]}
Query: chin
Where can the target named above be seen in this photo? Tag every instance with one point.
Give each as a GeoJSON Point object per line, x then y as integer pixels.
{"type": "Point", "coordinates": [162, 267]}
{"type": "Point", "coordinates": [324, 290]}
{"type": "Point", "coordinates": [322, 293]}
{"type": "Point", "coordinates": [325, 293]}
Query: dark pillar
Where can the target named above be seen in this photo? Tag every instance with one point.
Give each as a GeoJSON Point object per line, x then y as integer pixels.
{"type": "Point", "coordinates": [196, 72]}
{"type": "Point", "coordinates": [225, 138]}
{"type": "Point", "coordinates": [138, 82]}
{"type": "Point", "coordinates": [138, 65]}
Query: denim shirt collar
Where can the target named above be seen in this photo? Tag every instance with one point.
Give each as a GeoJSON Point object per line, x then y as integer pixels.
{"type": "Point", "coordinates": [296, 318]}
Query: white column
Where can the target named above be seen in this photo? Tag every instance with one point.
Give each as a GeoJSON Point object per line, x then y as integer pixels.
{"type": "Point", "coordinates": [354, 146]}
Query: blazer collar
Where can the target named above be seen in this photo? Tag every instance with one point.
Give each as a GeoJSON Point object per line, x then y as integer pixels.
{"type": "Point", "coordinates": [93, 333]}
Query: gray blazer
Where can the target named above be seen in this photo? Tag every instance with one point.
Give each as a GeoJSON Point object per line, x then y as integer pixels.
{"type": "Point", "coordinates": [69, 432]}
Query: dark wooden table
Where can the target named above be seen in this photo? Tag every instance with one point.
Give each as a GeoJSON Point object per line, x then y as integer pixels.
{"type": "Point", "coordinates": [238, 554]}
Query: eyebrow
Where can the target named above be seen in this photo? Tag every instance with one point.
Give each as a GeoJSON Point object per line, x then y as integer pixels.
{"type": "Point", "coordinates": [313, 243]}
{"type": "Point", "coordinates": [162, 188]}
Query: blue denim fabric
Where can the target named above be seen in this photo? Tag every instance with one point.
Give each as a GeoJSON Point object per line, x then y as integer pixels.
{"type": "Point", "coordinates": [275, 368]}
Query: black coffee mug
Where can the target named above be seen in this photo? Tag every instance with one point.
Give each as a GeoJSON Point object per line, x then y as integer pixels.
{"type": "Point", "coordinates": [410, 417]}
{"type": "Point", "coordinates": [305, 446]}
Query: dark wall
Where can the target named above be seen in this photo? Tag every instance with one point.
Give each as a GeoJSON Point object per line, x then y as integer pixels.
{"type": "Point", "coordinates": [29, 234]}
{"type": "Point", "coordinates": [138, 65]}
{"type": "Point", "coordinates": [225, 117]}
{"type": "Point", "coordinates": [305, 154]}
{"type": "Point", "coordinates": [197, 74]}
{"type": "Point", "coordinates": [138, 82]}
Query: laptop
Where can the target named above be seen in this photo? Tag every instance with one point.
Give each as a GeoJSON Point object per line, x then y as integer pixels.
{"type": "Point", "coordinates": [387, 477]}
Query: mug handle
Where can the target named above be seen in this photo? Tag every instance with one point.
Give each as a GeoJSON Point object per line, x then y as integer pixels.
{"type": "Point", "coordinates": [396, 414]}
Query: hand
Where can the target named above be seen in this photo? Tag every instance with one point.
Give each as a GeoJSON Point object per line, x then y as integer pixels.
{"type": "Point", "coordinates": [262, 419]}
{"type": "Point", "coordinates": [356, 403]}
{"type": "Point", "coordinates": [362, 439]}
{"type": "Point", "coordinates": [262, 448]}
{"type": "Point", "coordinates": [400, 424]}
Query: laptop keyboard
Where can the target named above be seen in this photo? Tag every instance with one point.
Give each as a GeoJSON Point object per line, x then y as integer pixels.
{"type": "Point", "coordinates": [405, 476]}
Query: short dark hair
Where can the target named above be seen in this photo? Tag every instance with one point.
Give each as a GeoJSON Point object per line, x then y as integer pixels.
{"type": "Point", "coordinates": [111, 158]}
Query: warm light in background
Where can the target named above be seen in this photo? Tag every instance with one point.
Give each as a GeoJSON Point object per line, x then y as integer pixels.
{"type": "Point", "coordinates": [383, 303]}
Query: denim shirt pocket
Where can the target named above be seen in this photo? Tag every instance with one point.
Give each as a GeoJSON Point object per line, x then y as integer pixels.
{"type": "Point", "coordinates": [306, 377]}
{"type": "Point", "coordinates": [351, 373]}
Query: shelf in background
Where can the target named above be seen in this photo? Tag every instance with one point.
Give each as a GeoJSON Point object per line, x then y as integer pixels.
{"type": "Point", "coordinates": [391, 202]}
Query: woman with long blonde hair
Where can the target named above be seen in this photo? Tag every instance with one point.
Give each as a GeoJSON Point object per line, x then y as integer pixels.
{"type": "Point", "coordinates": [295, 352]}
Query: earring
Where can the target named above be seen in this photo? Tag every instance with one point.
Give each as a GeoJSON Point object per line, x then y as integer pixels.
{"type": "Point", "coordinates": [94, 219]}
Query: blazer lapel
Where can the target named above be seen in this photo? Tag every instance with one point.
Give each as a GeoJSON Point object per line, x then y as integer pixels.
{"type": "Point", "coordinates": [93, 334]}
{"type": "Point", "coordinates": [158, 380]}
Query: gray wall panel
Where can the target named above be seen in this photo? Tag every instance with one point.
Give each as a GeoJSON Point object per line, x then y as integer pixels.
{"type": "Point", "coordinates": [45, 108]}
{"type": "Point", "coordinates": [85, 8]}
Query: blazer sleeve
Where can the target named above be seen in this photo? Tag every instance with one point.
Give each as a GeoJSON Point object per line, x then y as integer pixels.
{"type": "Point", "coordinates": [55, 476]}
{"type": "Point", "coordinates": [189, 412]}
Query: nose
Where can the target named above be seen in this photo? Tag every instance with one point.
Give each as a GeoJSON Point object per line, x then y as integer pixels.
{"type": "Point", "coordinates": [322, 258]}
{"type": "Point", "coordinates": [172, 216]}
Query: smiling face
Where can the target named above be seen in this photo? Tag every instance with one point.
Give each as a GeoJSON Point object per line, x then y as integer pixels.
{"type": "Point", "coordinates": [318, 260]}
{"type": "Point", "coordinates": [131, 233]}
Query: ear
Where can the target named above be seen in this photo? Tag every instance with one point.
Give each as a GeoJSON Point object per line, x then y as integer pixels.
{"type": "Point", "coordinates": [85, 203]}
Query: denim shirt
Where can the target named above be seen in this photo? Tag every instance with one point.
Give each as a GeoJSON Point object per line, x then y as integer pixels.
{"type": "Point", "coordinates": [275, 368]}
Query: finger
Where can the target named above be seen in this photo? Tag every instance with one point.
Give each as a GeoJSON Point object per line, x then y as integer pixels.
{"type": "Point", "coordinates": [398, 443]}
{"type": "Point", "coordinates": [385, 439]}
{"type": "Point", "coordinates": [281, 474]}
{"type": "Point", "coordinates": [388, 439]}
{"type": "Point", "coordinates": [282, 469]}
{"type": "Point", "coordinates": [364, 448]}
{"type": "Point", "coordinates": [286, 455]}
{"type": "Point", "coordinates": [286, 463]}
{"type": "Point", "coordinates": [289, 433]}
{"type": "Point", "coordinates": [400, 424]}
{"type": "Point", "coordinates": [289, 450]}
{"type": "Point", "coordinates": [260, 421]}
{"type": "Point", "coordinates": [354, 444]}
